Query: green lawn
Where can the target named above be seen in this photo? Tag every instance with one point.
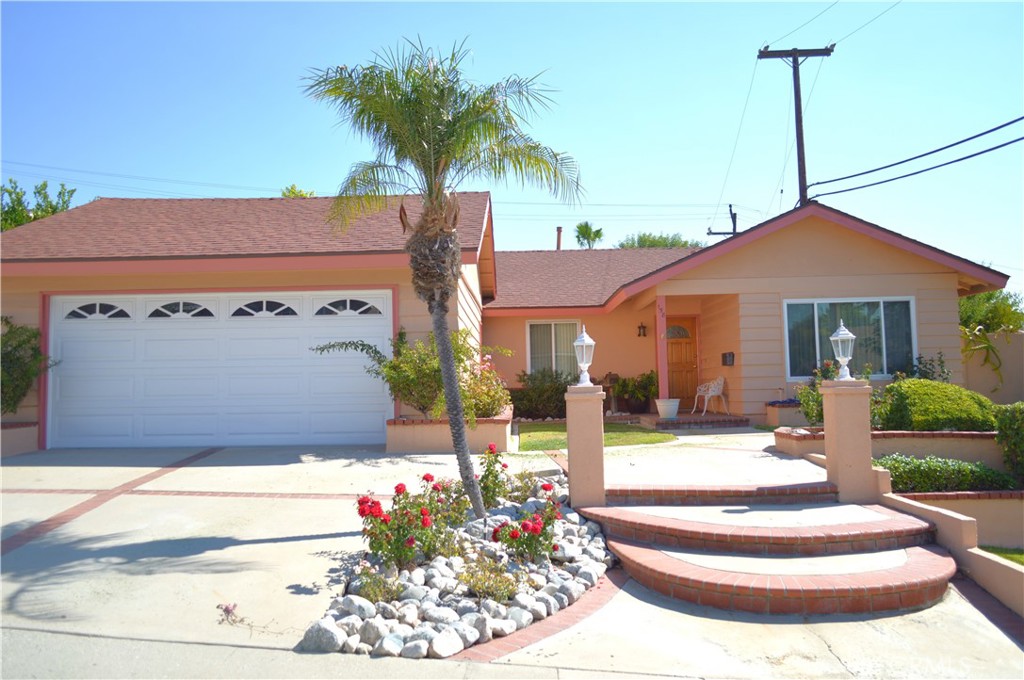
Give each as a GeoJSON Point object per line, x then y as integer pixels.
{"type": "Point", "coordinates": [549, 436]}
{"type": "Point", "coordinates": [1012, 554]}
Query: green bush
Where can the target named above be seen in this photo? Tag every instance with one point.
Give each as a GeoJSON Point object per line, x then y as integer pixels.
{"type": "Point", "coordinates": [1010, 436]}
{"type": "Point", "coordinates": [927, 405]}
{"type": "Point", "coordinates": [23, 361]}
{"type": "Point", "coordinates": [542, 394]}
{"type": "Point", "coordinates": [942, 474]}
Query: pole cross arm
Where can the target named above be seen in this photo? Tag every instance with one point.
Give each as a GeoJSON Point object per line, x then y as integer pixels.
{"type": "Point", "coordinates": [765, 53]}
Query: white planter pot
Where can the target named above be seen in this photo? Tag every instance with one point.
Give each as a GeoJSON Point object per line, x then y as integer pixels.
{"type": "Point", "coordinates": [667, 408]}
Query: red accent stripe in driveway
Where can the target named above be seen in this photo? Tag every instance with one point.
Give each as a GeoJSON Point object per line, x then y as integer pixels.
{"type": "Point", "coordinates": [33, 532]}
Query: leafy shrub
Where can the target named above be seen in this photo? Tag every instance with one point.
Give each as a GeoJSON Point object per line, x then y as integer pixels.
{"type": "Point", "coordinates": [376, 587]}
{"type": "Point", "coordinates": [542, 394]}
{"type": "Point", "coordinates": [531, 537]}
{"type": "Point", "coordinates": [494, 480]}
{"type": "Point", "coordinates": [1010, 436]}
{"type": "Point", "coordinates": [923, 405]}
{"type": "Point", "coordinates": [809, 396]}
{"type": "Point", "coordinates": [942, 474]}
{"type": "Point", "coordinates": [22, 362]}
{"type": "Point", "coordinates": [489, 579]}
{"type": "Point", "coordinates": [641, 388]}
{"type": "Point", "coordinates": [413, 373]}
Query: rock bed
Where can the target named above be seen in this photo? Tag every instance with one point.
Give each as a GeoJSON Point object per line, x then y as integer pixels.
{"type": "Point", "coordinates": [437, 615]}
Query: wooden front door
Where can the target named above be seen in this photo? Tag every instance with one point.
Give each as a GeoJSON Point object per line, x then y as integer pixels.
{"type": "Point", "coordinates": [681, 338]}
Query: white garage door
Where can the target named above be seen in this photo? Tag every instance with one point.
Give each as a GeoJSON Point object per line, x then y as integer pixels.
{"type": "Point", "coordinates": [216, 369]}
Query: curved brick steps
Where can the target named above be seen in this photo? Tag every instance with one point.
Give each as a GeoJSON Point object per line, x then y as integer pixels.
{"type": "Point", "coordinates": [884, 530]}
{"type": "Point", "coordinates": [649, 494]}
{"type": "Point", "coordinates": [914, 583]}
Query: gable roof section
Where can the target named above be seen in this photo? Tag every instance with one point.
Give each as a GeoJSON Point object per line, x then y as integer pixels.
{"type": "Point", "coordinates": [604, 278]}
{"type": "Point", "coordinates": [538, 279]}
{"type": "Point", "coordinates": [144, 228]}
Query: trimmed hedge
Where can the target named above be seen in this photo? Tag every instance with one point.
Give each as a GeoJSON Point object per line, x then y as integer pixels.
{"type": "Point", "coordinates": [931, 474]}
{"type": "Point", "coordinates": [1010, 436]}
{"type": "Point", "coordinates": [927, 405]}
{"type": "Point", "coordinates": [542, 394]}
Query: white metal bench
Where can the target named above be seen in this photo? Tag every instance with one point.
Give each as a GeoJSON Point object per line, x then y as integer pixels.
{"type": "Point", "coordinates": [710, 390]}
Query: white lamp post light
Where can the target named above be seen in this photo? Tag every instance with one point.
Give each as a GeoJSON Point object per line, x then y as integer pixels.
{"type": "Point", "coordinates": [584, 348]}
{"type": "Point", "coordinates": [842, 345]}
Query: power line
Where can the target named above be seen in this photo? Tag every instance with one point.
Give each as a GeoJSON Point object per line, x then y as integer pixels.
{"type": "Point", "coordinates": [805, 23]}
{"type": "Point", "coordinates": [878, 16]}
{"type": "Point", "coordinates": [213, 185]}
{"type": "Point", "coordinates": [911, 174]}
{"type": "Point", "coordinates": [914, 158]}
{"type": "Point", "coordinates": [736, 142]}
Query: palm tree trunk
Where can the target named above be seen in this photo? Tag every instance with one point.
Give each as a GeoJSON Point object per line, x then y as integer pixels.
{"type": "Point", "coordinates": [453, 401]}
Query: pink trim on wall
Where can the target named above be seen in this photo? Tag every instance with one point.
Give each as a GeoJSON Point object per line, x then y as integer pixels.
{"type": "Point", "coordinates": [43, 408]}
{"type": "Point", "coordinates": [661, 346]}
{"type": "Point", "coordinates": [546, 312]}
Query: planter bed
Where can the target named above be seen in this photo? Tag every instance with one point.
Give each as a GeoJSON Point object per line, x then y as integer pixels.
{"type": "Point", "coordinates": [18, 438]}
{"type": "Point", "coordinates": [420, 435]}
{"type": "Point", "coordinates": [967, 446]}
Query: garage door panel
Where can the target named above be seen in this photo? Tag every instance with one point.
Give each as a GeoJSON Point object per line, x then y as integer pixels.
{"type": "Point", "coordinates": [180, 349]}
{"type": "Point", "coordinates": [96, 428]}
{"type": "Point", "coordinates": [93, 349]}
{"type": "Point", "coordinates": [186, 386]}
{"type": "Point", "coordinates": [175, 424]}
{"type": "Point", "coordinates": [282, 385]}
{"type": "Point", "coordinates": [89, 388]}
{"type": "Point", "coordinates": [278, 347]}
{"type": "Point", "coordinates": [220, 380]}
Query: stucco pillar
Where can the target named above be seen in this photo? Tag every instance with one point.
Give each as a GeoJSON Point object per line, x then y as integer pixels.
{"type": "Point", "coordinates": [584, 426]}
{"type": "Point", "coordinates": [846, 406]}
{"type": "Point", "coordinates": [661, 346]}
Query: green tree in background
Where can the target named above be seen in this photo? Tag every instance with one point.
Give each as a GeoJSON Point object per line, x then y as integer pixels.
{"type": "Point", "coordinates": [981, 315]}
{"type": "Point", "coordinates": [295, 192]}
{"type": "Point", "coordinates": [16, 211]}
{"type": "Point", "coordinates": [432, 129]}
{"type": "Point", "coordinates": [587, 236]}
{"type": "Point", "coordinates": [647, 239]}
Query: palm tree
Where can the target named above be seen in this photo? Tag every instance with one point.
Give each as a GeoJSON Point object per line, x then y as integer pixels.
{"type": "Point", "coordinates": [432, 130]}
{"type": "Point", "coordinates": [586, 236]}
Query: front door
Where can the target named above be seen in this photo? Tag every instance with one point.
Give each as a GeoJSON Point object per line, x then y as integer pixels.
{"type": "Point", "coordinates": [681, 336]}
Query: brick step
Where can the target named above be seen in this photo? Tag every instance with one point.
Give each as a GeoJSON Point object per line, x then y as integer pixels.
{"type": "Point", "coordinates": [917, 582]}
{"type": "Point", "coordinates": [687, 421]}
{"type": "Point", "coordinates": [811, 492]}
{"type": "Point", "coordinates": [889, 531]}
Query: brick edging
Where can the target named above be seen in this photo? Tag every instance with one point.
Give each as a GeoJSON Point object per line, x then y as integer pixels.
{"type": "Point", "coordinates": [963, 495]}
{"type": "Point", "coordinates": [595, 598]}
{"type": "Point", "coordinates": [818, 434]}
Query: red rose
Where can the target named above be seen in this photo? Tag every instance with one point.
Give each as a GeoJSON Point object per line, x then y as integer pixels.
{"type": "Point", "coordinates": [386, 518]}
{"type": "Point", "coordinates": [492, 448]}
{"type": "Point", "coordinates": [410, 542]}
{"type": "Point", "coordinates": [428, 477]}
{"type": "Point", "coordinates": [399, 489]}
{"type": "Point", "coordinates": [436, 487]}
{"type": "Point", "coordinates": [364, 510]}
{"type": "Point", "coordinates": [424, 511]}
{"type": "Point", "coordinates": [363, 500]}
{"type": "Point", "coordinates": [425, 522]}
{"type": "Point", "coordinates": [504, 466]}
{"type": "Point", "coordinates": [554, 546]}
{"type": "Point", "coordinates": [514, 533]}
{"type": "Point", "coordinates": [527, 527]}
{"type": "Point", "coordinates": [547, 486]}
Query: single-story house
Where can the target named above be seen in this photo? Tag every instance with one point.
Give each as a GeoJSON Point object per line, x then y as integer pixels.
{"type": "Point", "coordinates": [189, 321]}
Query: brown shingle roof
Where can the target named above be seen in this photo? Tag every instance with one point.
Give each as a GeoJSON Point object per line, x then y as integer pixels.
{"type": "Point", "coordinates": [116, 228]}
{"type": "Point", "coordinates": [574, 278]}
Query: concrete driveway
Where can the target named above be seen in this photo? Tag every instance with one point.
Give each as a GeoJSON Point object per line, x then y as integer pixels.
{"type": "Point", "coordinates": [114, 564]}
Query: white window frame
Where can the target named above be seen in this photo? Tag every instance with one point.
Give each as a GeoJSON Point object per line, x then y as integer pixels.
{"type": "Point", "coordinates": [828, 350]}
{"type": "Point", "coordinates": [545, 322]}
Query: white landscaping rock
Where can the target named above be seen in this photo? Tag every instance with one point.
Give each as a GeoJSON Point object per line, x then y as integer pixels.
{"type": "Point", "coordinates": [502, 627]}
{"type": "Point", "coordinates": [522, 617]}
{"type": "Point", "coordinates": [441, 615]}
{"type": "Point", "coordinates": [389, 645]}
{"type": "Point", "coordinates": [417, 649]}
{"type": "Point", "coordinates": [372, 631]}
{"type": "Point", "coordinates": [445, 644]}
{"type": "Point", "coordinates": [350, 644]}
{"type": "Point", "coordinates": [323, 636]}
{"type": "Point", "coordinates": [360, 606]}
{"type": "Point", "coordinates": [350, 624]}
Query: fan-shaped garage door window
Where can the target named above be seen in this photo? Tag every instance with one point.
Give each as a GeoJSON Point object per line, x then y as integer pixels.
{"type": "Point", "coordinates": [264, 308]}
{"type": "Point", "coordinates": [347, 306]}
{"type": "Point", "coordinates": [98, 310]}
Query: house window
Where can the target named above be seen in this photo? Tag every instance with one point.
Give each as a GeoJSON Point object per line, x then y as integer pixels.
{"type": "Point", "coordinates": [884, 330]}
{"type": "Point", "coordinates": [348, 306]}
{"type": "Point", "coordinates": [550, 346]}
{"type": "Point", "coordinates": [264, 308]}
{"type": "Point", "coordinates": [180, 310]}
{"type": "Point", "coordinates": [98, 310]}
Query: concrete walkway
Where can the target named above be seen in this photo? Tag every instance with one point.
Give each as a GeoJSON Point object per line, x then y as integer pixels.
{"type": "Point", "coordinates": [114, 563]}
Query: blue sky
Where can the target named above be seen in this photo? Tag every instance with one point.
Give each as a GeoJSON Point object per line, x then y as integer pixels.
{"type": "Point", "coordinates": [205, 99]}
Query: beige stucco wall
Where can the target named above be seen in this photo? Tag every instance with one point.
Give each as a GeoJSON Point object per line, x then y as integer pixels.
{"type": "Point", "coordinates": [1000, 520]}
{"type": "Point", "coordinates": [21, 297]}
{"type": "Point", "coordinates": [983, 379]}
{"type": "Point", "coordinates": [743, 293]}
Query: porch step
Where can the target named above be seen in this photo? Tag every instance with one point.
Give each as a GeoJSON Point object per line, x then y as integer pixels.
{"type": "Point", "coordinates": [648, 494]}
{"type": "Point", "coordinates": [687, 421]}
{"type": "Point", "coordinates": [821, 529]}
{"type": "Point", "coordinates": [903, 579]}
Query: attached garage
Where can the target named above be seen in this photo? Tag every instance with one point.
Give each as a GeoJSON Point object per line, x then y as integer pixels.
{"type": "Point", "coordinates": [216, 369]}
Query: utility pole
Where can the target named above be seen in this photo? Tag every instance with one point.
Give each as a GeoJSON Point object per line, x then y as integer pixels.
{"type": "Point", "coordinates": [794, 55]}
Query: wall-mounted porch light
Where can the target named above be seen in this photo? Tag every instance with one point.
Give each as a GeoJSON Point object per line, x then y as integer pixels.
{"type": "Point", "coordinates": [641, 331]}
